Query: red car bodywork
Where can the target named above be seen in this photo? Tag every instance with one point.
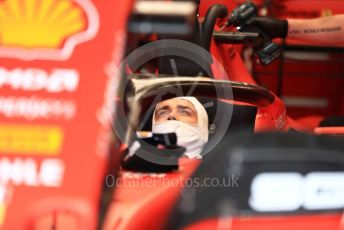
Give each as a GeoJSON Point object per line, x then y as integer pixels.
{"type": "Point", "coordinates": [150, 213]}
{"type": "Point", "coordinates": [75, 203]}
{"type": "Point", "coordinates": [78, 164]}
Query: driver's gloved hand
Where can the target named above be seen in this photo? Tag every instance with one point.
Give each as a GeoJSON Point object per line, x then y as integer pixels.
{"type": "Point", "coordinates": [273, 27]}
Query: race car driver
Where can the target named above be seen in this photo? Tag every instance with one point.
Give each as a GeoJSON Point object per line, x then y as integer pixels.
{"type": "Point", "coordinates": [186, 117]}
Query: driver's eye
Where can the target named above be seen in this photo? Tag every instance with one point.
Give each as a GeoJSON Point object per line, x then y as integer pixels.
{"type": "Point", "coordinates": [162, 113]}
{"type": "Point", "coordinates": [185, 112]}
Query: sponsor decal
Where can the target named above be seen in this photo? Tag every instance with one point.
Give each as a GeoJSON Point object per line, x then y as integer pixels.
{"type": "Point", "coordinates": [34, 140]}
{"type": "Point", "coordinates": [33, 80]}
{"type": "Point", "coordinates": [32, 108]}
{"type": "Point", "coordinates": [48, 30]}
{"type": "Point", "coordinates": [55, 81]}
{"type": "Point", "coordinates": [29, 172]}
{"type": "Point", "coordinates": [289, 191]}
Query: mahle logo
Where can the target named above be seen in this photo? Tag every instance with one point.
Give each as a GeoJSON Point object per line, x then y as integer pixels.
{"type": "Point", "coordinates": [49, 29]}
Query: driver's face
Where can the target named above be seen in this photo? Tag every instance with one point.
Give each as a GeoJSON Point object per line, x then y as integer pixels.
{"type": "Point", "coordinates": [176, 109]}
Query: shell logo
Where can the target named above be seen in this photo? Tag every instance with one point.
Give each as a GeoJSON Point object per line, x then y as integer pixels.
{"type": "Point", "coordinates": [45, 29]}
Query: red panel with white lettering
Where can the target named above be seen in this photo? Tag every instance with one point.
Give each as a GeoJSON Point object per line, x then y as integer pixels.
{"type": "Point", "coordinates": [57, 69]}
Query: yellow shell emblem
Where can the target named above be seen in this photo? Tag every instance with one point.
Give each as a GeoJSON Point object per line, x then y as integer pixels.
{"type": "Point", "coordinates": [44, 25]}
